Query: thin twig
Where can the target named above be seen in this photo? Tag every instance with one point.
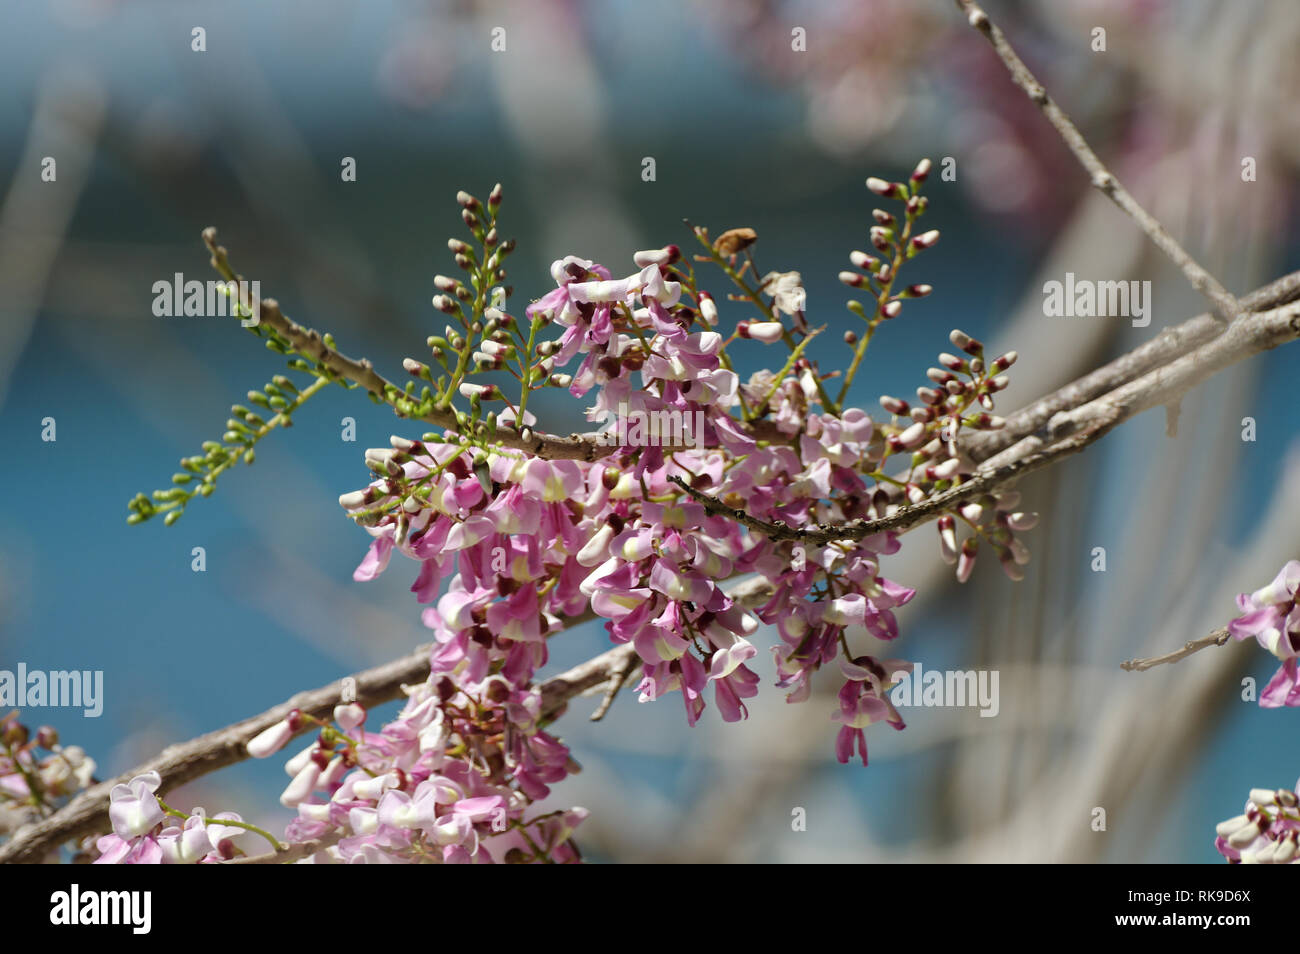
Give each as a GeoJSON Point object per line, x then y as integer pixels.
{"type": "Point", "coordinates": [292, 852]}
{"type": "Point", "coordinates": [1216, 638]}
{"type": "Point", "coordinates": [616, 682]}
{"type": "Point", "coordinates": [1102, 178]}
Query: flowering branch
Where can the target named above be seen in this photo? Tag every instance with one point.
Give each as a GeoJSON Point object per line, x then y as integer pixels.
{"type": "Point", "coordinates": [186, 761]}
{"type": "Point", "coordinates": [1216, 638]}
{"type": "Point", "coordinates": [177, 764]}
{"type": "Point", "coordinates": [1103, 179]}
{"type": "Point", "coordinates": [1169, 345]}
{"type": "Point", "coordinates": [1249, 334]}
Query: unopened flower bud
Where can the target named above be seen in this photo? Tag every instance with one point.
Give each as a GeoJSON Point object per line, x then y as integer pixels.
{"type": "Point", "coordinates": [767, 332]}
{"type": "Point", "coordinates": [921, 171]}
{"type": "Point", "coordinates": [1285, 849]}
{"type": "Point", "coordinates": [1226, 828]}
{"type": "Point", "coordinates": [881, 187]}
{"type": "Point", "coordinates": [658, 256]}
{"type": "Point", "coordinates": [1244, 836]}
{"type": "Point", "coordinates": [912, 436]}
{"type": "Point", "coordinates": [948, 539]}
{"type": "Point", "coordinates": [893, 405]}
{"type": "Point", "coordinates": [965, 342]}
{"type": "Point", "coordinates": [966, 560]}
{"type": "Point", "coordinates": [945, 471]}
{"type": "Point", "coordinates": [926, 239]}
{"type": "Point", "coordinates": [302, 785]}
{"type": "Point", "coordinates": [708, 308]}
{"type": "Point", "coordinates": [270, 740]}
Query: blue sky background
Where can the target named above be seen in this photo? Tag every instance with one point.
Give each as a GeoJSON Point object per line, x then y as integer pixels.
{"type": "Point", "coordinates": [276, 611]}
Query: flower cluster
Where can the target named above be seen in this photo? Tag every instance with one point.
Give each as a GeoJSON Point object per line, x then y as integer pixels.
{"type": "Point", "coordinates": [640, 531]}
{"type": "Point", "coordinates": [1266, 832]}
{"type": "Point", "coordinates": [37, 774]}
{"type": "Point", "coordinates": [511, 545]}
{"type": "Point", "coordinates": [450, 780]}
{"type": "Point", "coordinates": [141, 836]}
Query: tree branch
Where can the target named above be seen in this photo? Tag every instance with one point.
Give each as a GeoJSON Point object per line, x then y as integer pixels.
{"type": "Point", "coordinates": [1216, 638]}
{"type": "Point", "coordinates": [292, 852]}
{"type": "Point", "coordinates": [1170, 344]}
{"type": "Point", "coordinates": [616, 682]}
{"type": "Point", "coordinates": [1102, 178]}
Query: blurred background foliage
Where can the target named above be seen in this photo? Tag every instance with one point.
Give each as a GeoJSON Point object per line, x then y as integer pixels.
{"type": "Point", "coordinates": [155, 141]}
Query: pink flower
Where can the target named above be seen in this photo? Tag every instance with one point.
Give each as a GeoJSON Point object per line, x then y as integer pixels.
{"type": "Point", "coordinates": [1272, 616]}
{"type": "Point", "coordinates": [187, 844]}
{"type": "Point", "coordinates": [1265, 833]}
{"type": "Point", "coordinates": [133, 809]}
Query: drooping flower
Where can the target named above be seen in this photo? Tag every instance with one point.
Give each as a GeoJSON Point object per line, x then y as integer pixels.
{"type": "Point", "coordinates": [1272, 616]}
